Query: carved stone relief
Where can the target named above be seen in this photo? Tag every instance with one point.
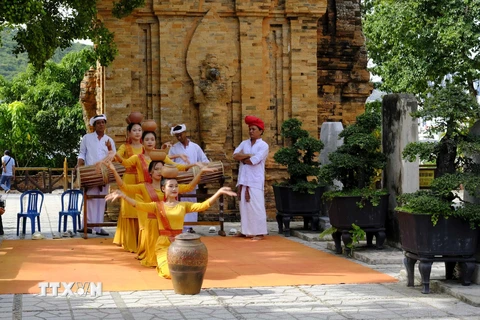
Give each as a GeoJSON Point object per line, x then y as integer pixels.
{"type": "Point", "coordinates": [88, 98]}
{"type": "Point", "coordinates": [212, 61]}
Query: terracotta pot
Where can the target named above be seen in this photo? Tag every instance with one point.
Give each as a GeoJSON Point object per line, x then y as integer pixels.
{"type": "Point", "coordinates": [157, 155]}
{"type": "Point", "coordinates": [165, 149]}
{"type": "Point", "coordinates": [149, 125]}
{"type": "Point", "coordinates": [187, 259]}
{"type": "Point", "coordinates": [134, 117]}
{"type": "Point", "coordinates": [169, 171]}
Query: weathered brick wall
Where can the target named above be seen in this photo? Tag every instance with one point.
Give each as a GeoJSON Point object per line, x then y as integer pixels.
{"type": "Point", "coordinates": [343, 79]}
{"type": "Point", "coordinates": [277, 59]}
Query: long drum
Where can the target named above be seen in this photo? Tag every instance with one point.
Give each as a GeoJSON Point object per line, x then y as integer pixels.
{"type": "Point", "coordinates": [97, 175]}
{"type": "Point", "coordinates": [207, 177]}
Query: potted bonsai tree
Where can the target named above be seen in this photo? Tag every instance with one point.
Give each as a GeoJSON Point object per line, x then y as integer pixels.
{"type": "Point", "coordinates": [301, 193]}
{"type": "Point", "coordinates": [438, 224]}
{"type": "Point", "coordinates": [358, 207]}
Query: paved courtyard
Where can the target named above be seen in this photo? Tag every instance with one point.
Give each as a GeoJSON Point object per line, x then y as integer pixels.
{"type": "Point", "coordinates": [447, 300]}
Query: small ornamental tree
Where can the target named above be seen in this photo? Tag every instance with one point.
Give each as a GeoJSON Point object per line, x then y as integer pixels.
{"type": "Point", "coordinates": [452, 111]}
{"type": "Point", "coordinates": [300, 157]}
{"type": "Point", "coordinates": [359, 160]}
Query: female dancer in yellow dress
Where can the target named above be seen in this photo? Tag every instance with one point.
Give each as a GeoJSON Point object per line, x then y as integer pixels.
{"type": "Point", "coordinates": [126, 234]}
{"type": "Point", "coordinates": [169, 215]}
{"type": "Point", "coordinates": [150, 192]}
{"type": "Point", "coordinates": [141, 163]}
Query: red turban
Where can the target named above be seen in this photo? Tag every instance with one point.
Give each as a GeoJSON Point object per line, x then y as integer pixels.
{"type": "Point", "coordinates": [254, 121]}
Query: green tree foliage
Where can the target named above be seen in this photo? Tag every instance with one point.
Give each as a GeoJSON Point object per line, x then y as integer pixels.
{"type": "Point", "coordinates": [415, 44]}
{"type": "Point", "coordinates": [43, 112]}
{"type": "Point", "coordinates": [430, 48]}
{"type": "Point", "coordinates": [299, 156]}
{"type": "Point", "coordinates": [11, 65]}
{"type": "Point", "coordinates": [451, 109]}
{"type": "Point", "coordinates": [44, 26]}
{"type": "Point", "coordinates": [356, 162]}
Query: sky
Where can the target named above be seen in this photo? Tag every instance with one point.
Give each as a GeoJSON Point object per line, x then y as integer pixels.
{"type": "Point", "coordinates": [88, 42]}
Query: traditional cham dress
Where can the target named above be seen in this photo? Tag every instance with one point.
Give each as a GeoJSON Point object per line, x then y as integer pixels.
{"type": "Point", "coordinates": [145, 192]}
{"type": "Point", "coordinates": [251, 180]}
{"type": "Point", "coordinates": [170, 224]}
{"type": "Point", "coordinates": [147, 228]}
{"type": "Point", "coordinates": [141, 163]}
{"type": "Point", "coordinates": [126, 234]}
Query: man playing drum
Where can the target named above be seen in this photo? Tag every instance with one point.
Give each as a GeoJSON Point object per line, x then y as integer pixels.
{"type": "Point", "coordinates": [194, 154]}
{"type": "Point", "coordinates": [96, 147]}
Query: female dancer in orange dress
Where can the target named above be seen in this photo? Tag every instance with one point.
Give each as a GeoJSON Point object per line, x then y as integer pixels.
{"type": "Point", "coordinates": [169, 215]}
{"type": "Point", "coordinates": [126, 234]}
{"type": "Point", "coordinates": [141, 163]}
{"type": "Point", "coordinates": [150, 192]}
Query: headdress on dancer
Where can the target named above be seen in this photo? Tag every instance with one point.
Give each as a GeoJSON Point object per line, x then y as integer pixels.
{"type": "Point", "coordinates": [254, 121]}
{"type": "Point", "coordinates": [178, 129]}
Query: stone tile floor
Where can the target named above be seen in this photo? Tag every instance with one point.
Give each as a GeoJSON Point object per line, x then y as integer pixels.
{"type": "Point", "coordinates": [448, 300]}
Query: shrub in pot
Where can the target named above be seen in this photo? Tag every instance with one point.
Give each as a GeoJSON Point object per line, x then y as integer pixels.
{"type": "Point", "coordinates": [300, 194]}
{"type": "Point", "coordinates": [359, 207]}
{"type": "Point", "coordinates": [437, 224]}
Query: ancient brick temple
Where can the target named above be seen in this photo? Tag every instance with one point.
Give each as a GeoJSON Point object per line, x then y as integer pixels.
{"type": "Point", "coordinates": [208, 64]}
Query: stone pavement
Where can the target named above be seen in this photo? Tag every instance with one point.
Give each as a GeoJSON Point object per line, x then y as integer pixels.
{"type": "Point", "coordinates": [447, 300]}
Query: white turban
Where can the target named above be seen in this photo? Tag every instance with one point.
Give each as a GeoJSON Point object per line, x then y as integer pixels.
{"type": "Point", "coordinates": [98, 117]}
{"type": "Point", "coordinates": [178, 129]}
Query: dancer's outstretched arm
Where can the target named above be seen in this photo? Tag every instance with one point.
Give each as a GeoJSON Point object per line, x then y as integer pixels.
{"type": "Point", "coordinates": [223, 190]}
{"type": "Point", "coordinates": [118, 179]}
{"type": "Point", "coordinates": [197, 177]}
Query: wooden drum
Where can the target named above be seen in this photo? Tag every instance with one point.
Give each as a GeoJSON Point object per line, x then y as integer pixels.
{"type": "Point", "coordinates": [97, 175]}
{"type": "Point", "coordinates": [187, 176]}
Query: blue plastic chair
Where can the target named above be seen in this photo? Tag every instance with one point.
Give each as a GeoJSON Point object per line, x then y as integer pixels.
{"type": "Point", "coordinates": [32, 210]}
{"type": "Point", "coordinates": [71, 207]}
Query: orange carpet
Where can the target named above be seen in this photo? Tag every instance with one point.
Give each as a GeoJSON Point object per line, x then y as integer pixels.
{"type": "Point", "coordinates": [233, 262]}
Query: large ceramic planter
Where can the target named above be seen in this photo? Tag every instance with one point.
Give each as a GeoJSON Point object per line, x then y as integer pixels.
{"type": "Point", "coordinates": [448, 237]}
{"type": "Point", "coordinates": [344, 211]}
{"type": "Point", "coordinates": [290, 203]}
{"type": "Point", "coordinates": [450, 241]}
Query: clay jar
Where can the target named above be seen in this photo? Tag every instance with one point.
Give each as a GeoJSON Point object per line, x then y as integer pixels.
{"type": "Point", "coordinates": [187, 259]}
{"type": "Point", "coordinates": [169, 171]}
{"type": "Point", "coordinates": [157, 155]}
{"type": "Point", "coordinates": [149, 125]}
{"type": "Point", "coordinates": [134, 117]}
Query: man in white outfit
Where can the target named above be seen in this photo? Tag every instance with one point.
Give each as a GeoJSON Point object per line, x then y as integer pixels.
{"type": "Point", "coordinates": [96, 147]}
{"type": "Point", "coordinates": [252, 154]}
{"type": "Point", "coordinates": [185, 151]}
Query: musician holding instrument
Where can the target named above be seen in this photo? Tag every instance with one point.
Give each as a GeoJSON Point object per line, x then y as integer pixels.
{"type": "Point", "coordinates": [95, 148]}
{"type": "Point", "coordinates": [194, 154]}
